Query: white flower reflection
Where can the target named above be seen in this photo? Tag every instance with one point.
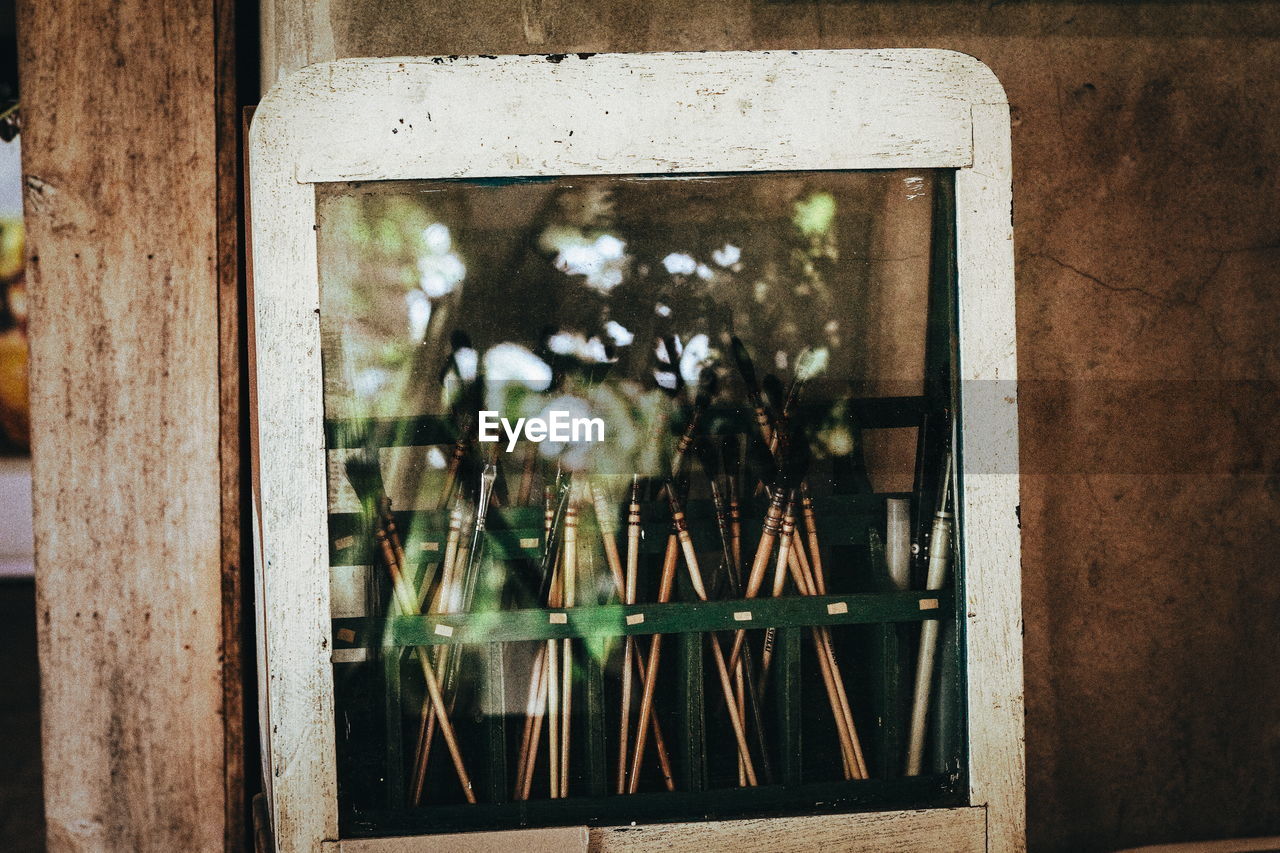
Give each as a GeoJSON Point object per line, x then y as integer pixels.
{"type": "Point", "coordinates": [578, 346]}
{"type": "Point", "coordinates": [439, 269]}
{"type": "Point", "coordinates": [437, 238]}
{"type": "Point", "coordinates": [678, 263]}
{"type": "Point", "coordinates": [369, 381]}
{"type": "Point", "coordinates": [419, 314]}
{"type": "Point", "coordinates": [601, 260]}
{"type": "Point", "coordinates": [618, 333]}
{"type": "Point", "coordinates": [696, 355]}
{"type": "Point", "coordinates": [727, 256]}
{"type": "Point", "coordinates": [465, 361]}
{"type": "Point", "coordinates": [509, 362]}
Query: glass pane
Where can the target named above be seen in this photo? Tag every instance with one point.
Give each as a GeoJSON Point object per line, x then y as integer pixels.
{"type": "Point", "coordinates": [569, 417]}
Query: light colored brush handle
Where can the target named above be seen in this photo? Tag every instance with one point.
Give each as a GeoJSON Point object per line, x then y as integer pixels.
{"type": "Point", "coordinates": [897, 541]}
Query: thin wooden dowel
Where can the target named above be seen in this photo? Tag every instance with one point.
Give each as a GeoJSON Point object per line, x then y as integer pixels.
{"type": "Point", "coordinates": [842, 735]}
{"type": "Point", "coordinates": [531, 760]}
{"type": "Point", "coordinates": [627, 592]}
{"type": "Point", "coordinates": [801, 552]}
{"type": "Point", "coordinates": [824, 634]}
{"type": "Point", "coordinates": [531, 710]}
{"type": "Point", "coordinates": [447, 600]}
{"type": "Point", "coordinates": [804, 585]}
{"type": "Point", "coordinates": [669, 560]}
{"type": "Point", "coordinates": [655, 728]}
{"type": "Point", "coordinates": [624, 725]}
{"type": "Point", "coordinates": [608, 536]}
{"type": "Point", "coordinates": [553, 695]}
{"type": "Point", "coordinates": [726, 683]}
{"type": "Point", "coordinates": [446, 727]}
{"type": "Point", "coordinates": [739, 688]}
{"type": "Point", "coordinates": [768, 536]}
{"type": "Point", "coordinates": [427, 732]}
{"type": "Point", "coordinates": [811, 527]}
{"type": "Point", "coordinates": [818, 586]}
{"type": "Point", "coordinates": [739, 731]}
{"type": "Point", "coordinates": [845, 733]}
{"type": "Point", "coordinates": [426, 717]}
{"type": "Point", "coordinates": [553, 715]}
{"type": "Point", "coordinates": [636, 656]}
{"type": "Point", "coordinates": [566, 710]}
{"type": "Point", "coordinates": [570, 583]}
{"type": "Point", "coordinates": [832, 677]}
{"type": "Point", "coordinates": [405, 600]}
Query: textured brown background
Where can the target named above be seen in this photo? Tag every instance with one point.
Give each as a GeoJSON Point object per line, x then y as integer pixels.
{"type": "Point", "coordinates": [1146, 142]}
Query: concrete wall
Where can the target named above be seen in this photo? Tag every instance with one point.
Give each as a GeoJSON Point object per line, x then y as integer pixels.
{"type": "Point", "coordinates": [1147, 212]}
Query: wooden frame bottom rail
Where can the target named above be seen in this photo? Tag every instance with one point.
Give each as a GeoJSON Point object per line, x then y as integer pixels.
{"type": "Point", "coordinates": [948, 830]}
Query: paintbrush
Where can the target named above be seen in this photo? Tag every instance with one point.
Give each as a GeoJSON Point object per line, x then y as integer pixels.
{"type": "Point", "coordinates": [939, 565]}
{"type": "Point", "coordinates": [360, 472]}
{"type": "Point", "coordinates": [696, 581]}
{"type": "Point", "coordinates": [747, 370]}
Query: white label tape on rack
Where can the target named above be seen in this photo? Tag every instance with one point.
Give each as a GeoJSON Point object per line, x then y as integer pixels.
{"type": "Point", "coordinates": [742, 616]}
{"type": "Point", "coordinates": [344, 543]}
{"type": "Point", "coordinates": [558, 618]}
{"type": "Point", "coordinates": [444, 630]}
{"type": "Point", "coordinates": [928, 604]}
{"type": "Point", "coordinates": [431, 546]}
{"type": "Point", "coordinates": [532, 542]}
{"type": "Point", "coordinates": [835, 608]}
{"type": "Point", "coordinates": [349, 655]}
{"type": "Point", "coordinates": [635, 618]}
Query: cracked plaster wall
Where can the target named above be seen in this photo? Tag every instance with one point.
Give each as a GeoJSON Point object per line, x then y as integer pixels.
{"type": "Point", "coordinates": [1146, 140]}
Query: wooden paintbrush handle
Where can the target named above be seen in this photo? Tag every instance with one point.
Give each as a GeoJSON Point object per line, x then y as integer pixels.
{"type": "Point", "coordinates": [608, 536]}
{"type": "Point", "coordinates": [669, 560]}
{"type": "Point", "coordinates": [811, 527]}
{"type": "Point", "coordinates": [531, 709]}
{"type": "Point", "coordinates": [536, 737]}
{"type": "Point", "coordinates": [726, 684]}
{"type": "Point", "coordinates": [769, 533]}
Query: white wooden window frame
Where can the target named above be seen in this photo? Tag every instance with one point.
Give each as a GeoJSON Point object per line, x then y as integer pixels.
{"type": "Point", "coordinates": [617, 114]}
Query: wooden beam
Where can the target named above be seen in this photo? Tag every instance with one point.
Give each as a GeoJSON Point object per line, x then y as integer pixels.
{"type": "Point", "coordinates": [129, 158]}
{"type": "Point", "coordinates": [958, 830]}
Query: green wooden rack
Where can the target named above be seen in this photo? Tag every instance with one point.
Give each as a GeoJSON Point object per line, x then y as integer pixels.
{"type": "Point", "coordinates": [514, 535]}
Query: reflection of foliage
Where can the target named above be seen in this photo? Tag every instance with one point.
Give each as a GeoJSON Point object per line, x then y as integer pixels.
{"type": "Point", "coordinates": [582, 281]}
{"type": "Point", "coordinates": [389, 269]}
